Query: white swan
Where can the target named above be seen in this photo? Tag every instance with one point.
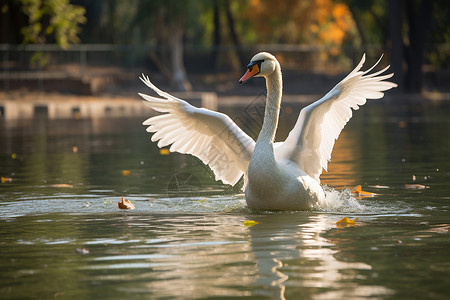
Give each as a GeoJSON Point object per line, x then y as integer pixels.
{"type": "Point", "coordinates": [277, 176]}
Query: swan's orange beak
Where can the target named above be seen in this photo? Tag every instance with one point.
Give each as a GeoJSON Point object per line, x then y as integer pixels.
{"type": "Point", "coordinates": [252, 70]}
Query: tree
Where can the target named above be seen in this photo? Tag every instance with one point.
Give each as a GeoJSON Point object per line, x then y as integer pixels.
{"type": "Point", "coordinates": [56, 20]}
{"type": "Point", "coordinates": [300, 21]}
{"type": "Point", "coordinates": [404, 27]}
{"type": "Point", "coordinates": [418, 21]}
{"type": "Point", "coordinates": [168, 21]}
{"type": "Point", "coordinates": [41, 21]}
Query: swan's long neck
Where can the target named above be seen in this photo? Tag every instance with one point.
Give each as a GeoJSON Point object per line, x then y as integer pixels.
{"type": "Point", "coordinates": [263, 171]}
{"type": "Point", "coordinates": [271, 114]}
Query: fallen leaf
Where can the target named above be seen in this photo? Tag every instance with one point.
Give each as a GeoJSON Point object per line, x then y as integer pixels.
{"type": "Point", "coordinates": [61, 185]}
{"type": "Point", "coordinates": [164, 151]}
{"type": "Point", "coordinates": [6, 179]}
{"type": "Point", "coordinates": [415, 186]}
{"type": "Point", "coordinates": [443, 228]}
{"type": "Point", "coordinates": [82, 251]}
{"type": "Point", "coordinates": [357, 190]}
{"type": "Point", "coordinates": [379, 186]}
{"type": "Point", "coordinates": [250, 223]}
{"type": "Point", "coordinates": [345, 222]}
{"type": "Point", "coordinates": [125, 204]}
{"type": "Point", "coordinates": [126, 172]}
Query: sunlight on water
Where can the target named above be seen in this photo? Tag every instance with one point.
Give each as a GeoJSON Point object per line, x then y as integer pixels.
{"type": "Point", "coordinates": [63, 233]}
{"type": "Point", "coordinates": [225, 204]}
{"type": "Point", "coordinates": [336, 201]}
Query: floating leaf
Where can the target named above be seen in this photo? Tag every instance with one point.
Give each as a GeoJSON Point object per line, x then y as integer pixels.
{"type": "Point", "coordinates": [377, 186]}
{"type": "Point", "coordinates": [415, 186]}
{"type": "Point", "coordinates": [344, 222]}
{"type": "Point", "coordinates": [61, 185]}
{"type": "Point", "coordinates": [126, 172]}
{"type": "Point", "coordinates": [6, 179]}
{"type": "Point", "coordinates": [443, 228]}
{"type": "Point", "coordinates": [82, 251]}
{"type": "Point", "coordinates": [164, 151]}
{"type": "Point", "coordinates": [357, 190]}
{"type": "Point", "coordinates": [125, 204]}
{"type": "Point", "coordinates": [250, 223]}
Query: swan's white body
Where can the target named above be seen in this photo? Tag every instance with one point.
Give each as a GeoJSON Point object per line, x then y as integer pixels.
{"type": "Point", "coordinates": [278, 176]}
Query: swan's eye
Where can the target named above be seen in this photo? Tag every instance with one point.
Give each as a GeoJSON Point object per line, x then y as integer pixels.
{"type": "Point", "coordinates": [251, 69]}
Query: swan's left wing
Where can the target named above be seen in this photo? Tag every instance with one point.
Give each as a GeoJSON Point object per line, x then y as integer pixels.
{"type": "Point", "coordinates": [211, 136]}
{"type": "Point", "coordinates": [311, 141]}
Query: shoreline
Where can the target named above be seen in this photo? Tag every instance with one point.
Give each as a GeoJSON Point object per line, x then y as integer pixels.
{"type": "Point", "coordinates": [22, 104]}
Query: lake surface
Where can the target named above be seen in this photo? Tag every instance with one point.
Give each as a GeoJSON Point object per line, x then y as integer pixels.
{"type": "Point", "coordinates": [62, 235]}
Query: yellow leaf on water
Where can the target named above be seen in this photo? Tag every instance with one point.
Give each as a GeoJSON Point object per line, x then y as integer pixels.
{"type": "Point", "coordinates": [164, 151]}
{"type": "Point", "coordinates": [357, 190]}
{"type": "Point", "coordinates": [250, 223]}
{"type": "Point", "coordinates": [346, 221]}
{"type": "Point", "coordinates": [6, 179]}
{"type": "Point", "coordinates": [126, 172]}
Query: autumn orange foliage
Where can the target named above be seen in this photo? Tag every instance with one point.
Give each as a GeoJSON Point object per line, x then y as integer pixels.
{"type": "Point", "coordinates": [300, 21]}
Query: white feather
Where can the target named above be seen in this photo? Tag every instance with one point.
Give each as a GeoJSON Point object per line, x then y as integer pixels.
{"type": "Point", "coordinates": [311, 141]}
{"type": "Point", "coordinates": [211, 136]}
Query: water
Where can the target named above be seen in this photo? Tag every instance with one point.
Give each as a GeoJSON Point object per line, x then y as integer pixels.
{"type": "Point", "coordinates": [62, 235]}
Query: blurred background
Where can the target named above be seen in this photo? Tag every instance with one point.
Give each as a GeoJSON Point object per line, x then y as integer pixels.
{"type": "Point", "coordinates": [84, 47]}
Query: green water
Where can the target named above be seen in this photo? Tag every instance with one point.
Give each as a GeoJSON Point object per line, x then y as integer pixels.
{"type": "Point", "coordinates": [62, 235]}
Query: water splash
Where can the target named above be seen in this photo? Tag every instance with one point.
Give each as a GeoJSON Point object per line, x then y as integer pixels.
{"type": "Point", "coordinates": [340, 201]}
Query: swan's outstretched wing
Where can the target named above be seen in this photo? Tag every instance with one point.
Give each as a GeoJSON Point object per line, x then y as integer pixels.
{"type": "Point", "coordinates": [311, 141]}
{"type": "Point", "coordinates": [211, 136]}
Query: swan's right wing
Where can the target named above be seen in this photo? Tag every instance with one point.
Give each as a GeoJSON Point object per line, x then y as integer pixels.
{"type": "Point", "coordinates": [211, 136]}
{"type": "Point", "coordinates": [311, 141]}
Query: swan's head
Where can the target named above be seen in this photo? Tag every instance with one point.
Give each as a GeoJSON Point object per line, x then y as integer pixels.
{"type": "Point", "coordinates": [262, 64]}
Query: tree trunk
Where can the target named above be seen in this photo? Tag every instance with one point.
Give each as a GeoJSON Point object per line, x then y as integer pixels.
{"type": "Point", "coordinates": [216, 34]}
{"type": "Point", "coordinates": [168, 57]}
{"type": "Point", "coordinates": [395, 35]}
{"type": "Point", "coordinates": [359, 27]}
{"type": "Point", "coordinates": [176, 56]}
{"type": "Point", "coordinates": [242, 59]}
{"type": "Point", "coordinates": [419, 23]}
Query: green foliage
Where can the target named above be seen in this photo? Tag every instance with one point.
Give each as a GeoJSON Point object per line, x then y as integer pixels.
{"type": "Point", "coordinates": [57, 19]}
{"type": "Point", "coordinates": [440, 35]}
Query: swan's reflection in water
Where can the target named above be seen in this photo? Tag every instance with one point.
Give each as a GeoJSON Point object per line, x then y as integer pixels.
{"type": "Point", "coordinates": [285, 256]}
{"type": "Point", "coordinates": [295, 261]}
